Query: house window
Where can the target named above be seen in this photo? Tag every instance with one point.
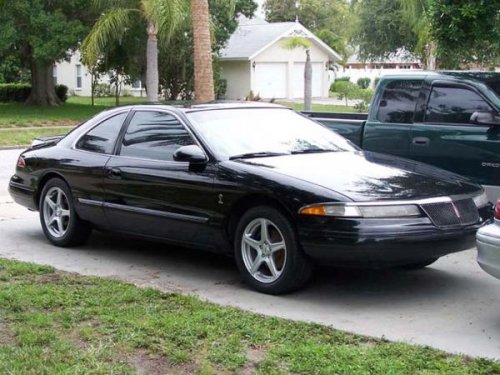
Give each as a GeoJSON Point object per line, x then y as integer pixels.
{"type": "Point", "coordinates": [78, 76]}
{"type": "Point", "coordinates": [137, 85]}
{"type": "Point", "coordinates": [405, 66]}
{"type": "Point", "coordinates": [54, 74]}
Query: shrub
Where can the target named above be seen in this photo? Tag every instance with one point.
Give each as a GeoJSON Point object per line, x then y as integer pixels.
{"type": "Point", "coordinates": [366, 96]}
{"type": "Point", "coordinates": [220, 88]}
{"type": "Point", "coordinates": [19, 92]}
{"type": "Point", "coordinates": [346, 90]}
{"type": "Point", "coordinates": [102, 90]}
{"type": "Point", "coordinates": [364, 82]}
{"type": "Point", "coordinates": [14, 92]}
{"type": "Point", "coordinates": [340, 80]}
{"type": "Point", "coordinates": [62, 92]}
{"type": "Point", "coordinates": [344, 78]}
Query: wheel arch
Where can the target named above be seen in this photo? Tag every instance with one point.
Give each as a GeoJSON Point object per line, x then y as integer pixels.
{"type": "Point", "coordinates": [249, 201]}
{"type": "Point", "coordinates": [42, 181]}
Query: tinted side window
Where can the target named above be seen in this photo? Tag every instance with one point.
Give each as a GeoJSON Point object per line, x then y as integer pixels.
{"type": "Point", "coordinates": [102, 138]}
{"type": "Point", "coordinates": [453, 104]}
{"type": "Point", "coordinates": [398, 101]}
{"type": "Point", "coordinates": [154, 135]}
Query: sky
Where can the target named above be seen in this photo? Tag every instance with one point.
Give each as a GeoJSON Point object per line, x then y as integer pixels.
{"type": "Point", "coordinates": [259, 11]}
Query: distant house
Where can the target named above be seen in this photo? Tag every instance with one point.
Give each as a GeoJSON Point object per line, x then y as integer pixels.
{"type": "Point", "coordinates": [77, 77]}
{"type": "Point", "coordinates": [402, 62]}
{"type": "Point", "coordinates": [255, 59]}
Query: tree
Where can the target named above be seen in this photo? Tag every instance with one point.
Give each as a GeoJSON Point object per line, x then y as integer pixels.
{"type": "Point", "coordinates": [203, 70]}
{"type": "Point", "coordinates": [466, 31]}
{"type": "Point", "coordinates": [382, 29]}
{"type": "Point", "coordinates": [331, 20]}
{"type": "Point", "coordinates": [42, 32]}
{"type": "Point", "coordinates": [160, 18]}
{"type": "Point", "coordinates": [177, 69]}
{"type": "Point", "coordinates": [301, 42]}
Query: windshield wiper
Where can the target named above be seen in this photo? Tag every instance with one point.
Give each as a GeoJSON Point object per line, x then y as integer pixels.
{"type": "Point", "coordinates": [313, 151]}
{"type": "Point", "coordinates": [262, 154]}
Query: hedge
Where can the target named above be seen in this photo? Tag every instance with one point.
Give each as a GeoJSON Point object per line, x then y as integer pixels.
{"type": "Point", "coordinates": [364, 82]}
{"type": "Point", "coordinates": [19, 92]}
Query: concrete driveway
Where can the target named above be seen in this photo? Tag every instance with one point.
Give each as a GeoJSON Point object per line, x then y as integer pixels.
{"type": "Point", "coordinates": [452, 305]}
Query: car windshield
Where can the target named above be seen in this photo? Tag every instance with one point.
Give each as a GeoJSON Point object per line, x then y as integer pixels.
{"type": "Point", "coordinates": [259, 132]}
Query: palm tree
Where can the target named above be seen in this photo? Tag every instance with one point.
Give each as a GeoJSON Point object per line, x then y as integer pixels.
{"type": "Point", "coordinates": [161, 18]}
{"type": "Point", "coordinates": [302, 42]}
{"type": "Point", "coordinates": [203, 69]}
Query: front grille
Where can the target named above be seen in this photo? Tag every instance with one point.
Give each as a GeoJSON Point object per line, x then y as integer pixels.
{"type": "Point", "coordinates": [445, 214]}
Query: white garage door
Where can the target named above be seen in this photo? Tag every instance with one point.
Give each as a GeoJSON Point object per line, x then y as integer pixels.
{"type": "Point", "coordinates": [298, 79]}
{"type": "Point", "coordinates": [270, 80]}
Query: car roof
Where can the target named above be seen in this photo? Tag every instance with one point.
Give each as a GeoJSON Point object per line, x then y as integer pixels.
{"type": "Point", "coordinates": [186, 108]}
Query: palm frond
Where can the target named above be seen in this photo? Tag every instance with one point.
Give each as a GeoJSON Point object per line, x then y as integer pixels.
{"type": "Point", "coordinates": [295, 42]}
{"type": "Point", "coordinates": [109, 27]}
{"type": "Point", "coordinates": [168, 15]}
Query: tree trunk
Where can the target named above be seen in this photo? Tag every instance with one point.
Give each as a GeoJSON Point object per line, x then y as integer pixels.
{"type": "Point", "coordinates": [43, 91]}
{"type": "Point", "coordinates": [203, 70]}
{"type": "Point", "coordinates": [152, 63]}
{"type": "Point", "coordinates": [308, 83]}
{"type": "Point", "coordinates": [430, 56]}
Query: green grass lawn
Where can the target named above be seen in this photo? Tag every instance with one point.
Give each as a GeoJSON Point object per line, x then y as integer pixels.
{"type": "Point", "coordinates": [76, 109]}
{"type": "Point", "coordinates": [53, 322]}
{"type": "Point", "coordinates": [23, 137]}
{"type": "Point", "coordinates": [319, 107]}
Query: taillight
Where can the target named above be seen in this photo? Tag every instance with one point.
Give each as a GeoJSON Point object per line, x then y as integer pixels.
{"type": "Point", "coordinates": [497, 210]}
{"type": "Point", "coordinates": [21, 163]}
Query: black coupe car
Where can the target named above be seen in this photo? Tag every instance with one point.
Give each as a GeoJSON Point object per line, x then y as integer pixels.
{"type": "Point", "coordinates": [257, 181]}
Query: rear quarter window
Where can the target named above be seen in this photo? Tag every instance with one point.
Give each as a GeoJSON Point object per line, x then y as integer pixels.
{"type": "Point", "coordinates": [398, 101]}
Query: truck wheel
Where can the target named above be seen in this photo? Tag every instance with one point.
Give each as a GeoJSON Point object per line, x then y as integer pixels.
{"type": "Point", "coordinates": [268, 254]}
{"type": "Point", "coordinates": [58, 217]}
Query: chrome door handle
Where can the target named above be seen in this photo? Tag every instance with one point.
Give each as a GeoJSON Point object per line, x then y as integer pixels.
{"type": "Point", "coordinates": [114, 173]}
{"type": "Point", "coordinates": [421, 141]}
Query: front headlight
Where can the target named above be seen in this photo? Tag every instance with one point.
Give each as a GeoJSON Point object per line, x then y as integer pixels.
{"type": "Point", "coordinates": [366, 211]}
{"type": "Point", "coordinates": [481, 200]}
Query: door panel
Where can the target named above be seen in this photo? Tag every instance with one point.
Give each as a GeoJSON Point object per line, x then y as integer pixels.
{"type": "Point", "coordinates": [162, 199]}
{"type": "Point", "coordinates": [454, 143]}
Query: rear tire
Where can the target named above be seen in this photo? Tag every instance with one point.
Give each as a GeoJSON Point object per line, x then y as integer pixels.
{"type": "Point", "coordinates": [58, 217]}
{"type": "Point", "coordinates": [268, 254]}
{"type": "Point", "coordinates": [417, 265]}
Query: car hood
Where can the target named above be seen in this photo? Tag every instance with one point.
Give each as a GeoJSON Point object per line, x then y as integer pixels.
{"type": "Point", "coordinates": [365, 176]}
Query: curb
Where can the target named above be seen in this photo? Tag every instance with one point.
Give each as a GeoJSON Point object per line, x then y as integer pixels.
{"type": "Point", "coordinates": [14, 147]}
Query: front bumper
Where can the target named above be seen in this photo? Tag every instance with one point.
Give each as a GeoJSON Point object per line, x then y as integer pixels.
{"type": "Point", "coordinates": [381, 242]}
{"type": "Point", "coordinates": [488, 249]}
{"type": "Point", "coordinates": [23, 195]}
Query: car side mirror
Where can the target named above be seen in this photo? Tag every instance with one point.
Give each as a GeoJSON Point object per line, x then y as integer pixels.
{"type": "Point", "coordinates": [191, 154]}
{"type": "Point", "coordinates": [485, 118]}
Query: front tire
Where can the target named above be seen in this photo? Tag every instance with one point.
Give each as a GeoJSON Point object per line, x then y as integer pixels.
{"type": "Point", "coordinates": [58, 217]}
{"type": "Point", "coordinates": [268, 254]}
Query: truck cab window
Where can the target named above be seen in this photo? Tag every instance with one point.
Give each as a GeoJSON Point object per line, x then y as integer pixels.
{"type": "Point", "coordinates": [398, 101]}
{"type": "Point", "coordinates": [453, 105]}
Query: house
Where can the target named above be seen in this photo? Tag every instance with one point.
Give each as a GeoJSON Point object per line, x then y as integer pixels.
{"type": "Point", "coordinates": [256, 59]}
{"type": "Point", "coordinates": [77, 78]}
{"type": "Point", "coordinates": [400, 62]}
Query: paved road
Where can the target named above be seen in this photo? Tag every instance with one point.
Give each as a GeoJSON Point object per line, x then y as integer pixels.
{"type": "Point", "coordinates": [451, 305]}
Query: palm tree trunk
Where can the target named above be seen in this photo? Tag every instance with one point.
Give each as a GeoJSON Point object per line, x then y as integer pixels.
{"type": "Point", "coordinates": [152, 63]}
{"type": "Point", "coordinates": [308, 83]}
{"type": "Point", "coordinates": [203, 70]}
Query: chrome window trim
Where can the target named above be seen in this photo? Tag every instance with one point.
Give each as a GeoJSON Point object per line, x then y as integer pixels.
{"type": "Point", "coordinates": [165, 214]}
{"type": "Point", "coordinates": [113, 114]}
{"type": "Point", "coordinates": [192, 135]}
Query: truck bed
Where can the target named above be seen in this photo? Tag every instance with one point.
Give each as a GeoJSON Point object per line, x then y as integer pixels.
{"type": "Point", "coordinates": [349, 125]}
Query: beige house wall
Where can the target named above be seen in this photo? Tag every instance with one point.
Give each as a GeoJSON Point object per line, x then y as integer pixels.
{"type": "Point", "coordinates": [237, 74]}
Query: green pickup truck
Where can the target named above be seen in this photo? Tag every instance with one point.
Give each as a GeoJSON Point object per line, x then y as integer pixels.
{"type": "Point", "coordinates": [447, 119]}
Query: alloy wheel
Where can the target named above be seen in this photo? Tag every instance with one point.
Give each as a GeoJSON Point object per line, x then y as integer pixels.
{"type": "Point", "coordinates": [263, 250]}
{"type": "Point", "coordinates": [56, 212]}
